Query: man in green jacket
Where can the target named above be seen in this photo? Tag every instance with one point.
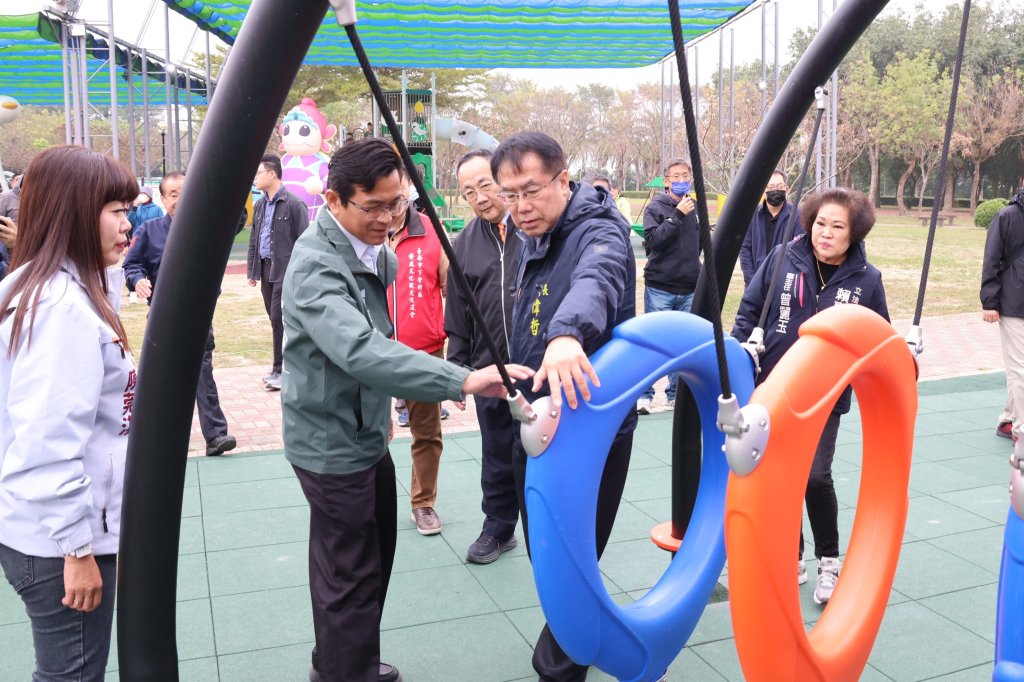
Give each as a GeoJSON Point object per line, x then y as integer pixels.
{"type": "Point", "coordinates": [340, 371]}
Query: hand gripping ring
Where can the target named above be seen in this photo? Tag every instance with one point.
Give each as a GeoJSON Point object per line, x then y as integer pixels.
{"type": "Point", "coordinates": [842, 345]}
{"type": "Point", "coordinates": [1010, 605]}
{"type": "Point", "coordinates": [635, 642]}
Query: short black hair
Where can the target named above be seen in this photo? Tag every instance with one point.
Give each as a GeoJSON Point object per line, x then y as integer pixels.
{"type": "Point", "coordinates": [598, 178]}
{"type": "Point", "coordinates": [170, 176]}
{"type": "Point", "coordinates": [273, 163]}
{"type": "Point", "coordinates": [512, 151]}
{"type": "Point", "coordinates": [361, 165]}
{"type": "Point", "coordinates": [475, 154]}
{"type": "Point", "coordinates": [781, 173]}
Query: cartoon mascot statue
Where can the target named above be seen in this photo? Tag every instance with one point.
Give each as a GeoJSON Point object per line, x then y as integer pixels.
{"type": "Point", "coordinates": [304, 141]}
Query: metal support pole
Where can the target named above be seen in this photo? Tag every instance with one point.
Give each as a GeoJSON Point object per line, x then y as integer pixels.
{"type": "Point", "coordinates": [732, 103]}
{"type": "Point", "coordinates": [83, 75]}
{"type": "Point", "coordinates": [661, 125]}
{"type": "Point", "coordinates": [168, 75]}
{"type": "Point", "coordinates": [145, 115]}
{"type": "Point", "coordinates": [67, 82]}
{"type": "Point", "coordinates": [405, 109]}
{"type": "Point", "coordinates": [176, 112]}
{"type": "Point", "coordinates": [819, 165]}
{"type": "Point", "coordinates": [776, 64]}
{"type": "Point", "coordinates": [115, 126]}
{"type": "Point", "coordinates": [721, 88]}
{"type": "Point", "coordinates": [188, 110]}
{"type": "Point", "coordinates": [236, 134]}
{"type": "Point", "coordinates": [672, 113]}
{"type": "Point", "coordinates": [762, 85]}
{"type": "Point", "coordinates": [209, 79]}
{"type": "Point", "coordinates": [433, 129]}
{"type": "Point", "coordinates": [696, 84]}
{"type": "Point", "coordinates": [834, 118]}
{"type": "Point", "coordinates": [133, 155]}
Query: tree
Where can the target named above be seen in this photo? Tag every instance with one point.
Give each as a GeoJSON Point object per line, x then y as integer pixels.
{"type": "Point", "coordinates": [914, 97]}
{"type": "Point", "coordinates": [991, 112]}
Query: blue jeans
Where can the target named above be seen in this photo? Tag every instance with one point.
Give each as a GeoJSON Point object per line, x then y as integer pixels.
{"type": "Point", "coordinates": [70, 645]}
{"type": "Point", "coordinates": [654, 301]}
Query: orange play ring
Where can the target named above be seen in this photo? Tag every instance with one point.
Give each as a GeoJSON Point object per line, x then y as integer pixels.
{"type": "Point", "coordinates": [845, 344]}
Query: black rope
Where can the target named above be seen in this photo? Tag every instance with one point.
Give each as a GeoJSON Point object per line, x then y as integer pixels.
{"type": "Point", "coordinates": [692, 141]}
{"type": "Point", "coordinates": [787, 236]}
{"type": "Point", "coordinates": [453, 265]}
{"type": "Point", "coordinates": [940, 176]}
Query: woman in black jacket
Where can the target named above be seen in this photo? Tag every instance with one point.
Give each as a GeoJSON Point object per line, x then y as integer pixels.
{"type": "Point", "coordinates": [821, 268]}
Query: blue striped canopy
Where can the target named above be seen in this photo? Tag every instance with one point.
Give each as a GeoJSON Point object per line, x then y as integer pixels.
{"type": "Point", "coordinates": [491, 33]}
{"type": "Point", "coordinates": [31, 69]}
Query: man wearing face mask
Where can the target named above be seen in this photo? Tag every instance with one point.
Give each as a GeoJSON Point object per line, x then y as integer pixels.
{"type": "Point", "coordinates": [768, 226]}
{"type": "Point", "coordinates": [672, 242]}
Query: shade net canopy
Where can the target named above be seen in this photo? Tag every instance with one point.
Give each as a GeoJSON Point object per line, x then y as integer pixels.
{"type": "Point", "coordinates": [31, 68]}
{"type": "Point", "coordinates": [491, 33]}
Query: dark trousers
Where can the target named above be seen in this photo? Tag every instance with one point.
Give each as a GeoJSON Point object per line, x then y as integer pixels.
{"type": "Point", "coordinates": [822, 506]}
{"type": "Point", "coordinates": [352, 535]}
{"type": "Point", "coordinates": [272, 302]}
{"type": "Point", "coordinates": [551, 663]}
{"type": "Point", "coordinates": [500, 502]}
{"type": "Point", "coordinates": [211, 417]}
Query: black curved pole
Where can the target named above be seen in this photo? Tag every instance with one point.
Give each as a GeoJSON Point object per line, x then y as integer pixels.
{"type": "Point", "coordinates": [783, 119]}
{"type": "Point", "coordinates": [250, 94]}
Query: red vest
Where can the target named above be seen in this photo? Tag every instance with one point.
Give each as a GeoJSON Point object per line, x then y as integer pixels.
{"type": "Point", "coordinates": [419, 318]}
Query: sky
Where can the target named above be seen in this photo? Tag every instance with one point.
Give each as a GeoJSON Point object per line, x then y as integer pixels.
{"type": "Point", "coordinates": [130, 17]}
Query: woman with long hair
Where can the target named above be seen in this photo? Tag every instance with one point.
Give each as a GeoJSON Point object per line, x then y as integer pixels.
{"type": "Point", "coordinates": [67, 383]}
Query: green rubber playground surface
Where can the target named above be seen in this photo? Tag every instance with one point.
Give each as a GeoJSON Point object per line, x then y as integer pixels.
{"type": "Point", "coordinates": [243, 601]}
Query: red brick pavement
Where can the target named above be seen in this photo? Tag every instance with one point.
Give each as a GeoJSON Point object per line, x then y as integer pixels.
{"type": "Point", "coordinates": [955, 345]}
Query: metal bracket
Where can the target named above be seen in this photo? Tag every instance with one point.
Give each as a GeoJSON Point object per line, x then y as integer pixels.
{"type": "Point", "coordinates": [521, 409]}
{"type": "Point", "coordinates": [755, 346]}
{"type": "Point", "coordinates": [820, 95]}
{"type": "Point", "coordinates": [538, 433]}
{"type": "Point", "coordinates": [746, 432]}
{"type": "Point", "coordinates": [344, 11]}
{"type": "Point", "coordinates": [915, 339]}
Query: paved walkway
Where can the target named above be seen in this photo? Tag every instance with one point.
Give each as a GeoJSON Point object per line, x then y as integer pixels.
{"type": "Point", "coordinates": [955, 345]}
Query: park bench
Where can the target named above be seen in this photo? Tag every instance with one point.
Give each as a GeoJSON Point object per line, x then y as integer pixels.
{"type": "Point", "coordinates": [926, 218]}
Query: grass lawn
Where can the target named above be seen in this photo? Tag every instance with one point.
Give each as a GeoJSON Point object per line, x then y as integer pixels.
{"type": "Point", "coordinates": [895, 246]}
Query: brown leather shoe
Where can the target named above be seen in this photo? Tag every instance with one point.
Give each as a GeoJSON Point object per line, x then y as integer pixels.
{"type": "Point", "coordinates": [426, 520]}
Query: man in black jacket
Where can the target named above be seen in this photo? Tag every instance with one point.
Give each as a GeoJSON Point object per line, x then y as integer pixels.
{"type": "Point", "coordinates": [768, 226]}
{"type": "Point", "coordinates": [278, 218]}
{"type": "Point", "coordinates": [487, 250]}
{"type": "Point", "coordinates": [576, 282]}
{"type": "Point", "coordinates": [672, 242]}
{"type": "Point", "coordinates": [1002, 301]}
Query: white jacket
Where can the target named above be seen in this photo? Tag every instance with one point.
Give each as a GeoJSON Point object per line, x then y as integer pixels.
{"type": "Point", "coordinates": [65, 409]}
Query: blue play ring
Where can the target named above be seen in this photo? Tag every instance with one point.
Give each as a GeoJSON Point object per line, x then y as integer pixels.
{"type": "Point", "coordinates": [636, 642]}
{"type": "Point", "coordinates": [1010, 607]}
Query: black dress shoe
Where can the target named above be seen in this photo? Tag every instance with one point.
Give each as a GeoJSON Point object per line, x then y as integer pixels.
{"type": "Point", "coordinates": [386, 673]}
{"type": "Point", "coordinates": [220, 445]}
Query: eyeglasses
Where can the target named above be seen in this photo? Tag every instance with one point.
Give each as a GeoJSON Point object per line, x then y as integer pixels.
{"type": "Point", "coordinates": [482, 188]}
{"type": "Point", "coordinates": [377, 212]}
{"type": "Point", "coordinates": [773, 188]}
{"type": "Point", "coordinates": [512, 198]}
{"type": "Point", "coordinates": [679, 177]}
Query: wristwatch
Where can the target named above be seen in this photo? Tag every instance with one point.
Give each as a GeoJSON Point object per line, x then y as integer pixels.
{"type": "Point", "coordinates": [81, 552]}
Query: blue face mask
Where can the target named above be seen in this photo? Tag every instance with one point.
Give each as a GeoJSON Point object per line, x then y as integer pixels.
{"type": "Point", "coordinates": [680, 188]}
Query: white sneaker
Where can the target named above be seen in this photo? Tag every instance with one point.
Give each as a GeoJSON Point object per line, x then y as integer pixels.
{"type": "Point", "coordinates": [670, 403]}
{"type": "Point", "coordinates": [828, 575]}
{"type": "Point", "coordinates": [801, 572]}
{"type": "Point", "coordinates": [643, 406]}
{"type": "Point", "coordinates": [132, 297]}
